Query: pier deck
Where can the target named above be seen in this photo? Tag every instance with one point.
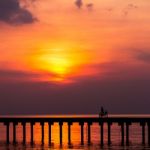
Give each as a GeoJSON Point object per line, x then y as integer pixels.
{"type": "Point", "coordinates": [123, 122]}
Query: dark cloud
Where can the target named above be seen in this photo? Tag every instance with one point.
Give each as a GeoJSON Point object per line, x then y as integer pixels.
{"type": "Point", "coordinates": [128, 8]}
{"type": "Point", "coordinates": [89, 6]}
{"type": "Point", "coordinates": [143, 56]}
{"type": "Point", "coordinates": [78, 3]}
{"type": "Point", "coordinates": [13, 75]}
{"type": "Point", "coordinates": [12, 13]}
{"type": "Point", "coordinates": [7, 76]}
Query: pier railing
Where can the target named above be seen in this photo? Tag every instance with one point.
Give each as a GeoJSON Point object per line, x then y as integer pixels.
{"type": "Point", "coordinates": [123, 122]}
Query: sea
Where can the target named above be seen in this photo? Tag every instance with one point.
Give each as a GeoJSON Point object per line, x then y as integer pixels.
{"type": "Point", "coordinates": [135, 135]}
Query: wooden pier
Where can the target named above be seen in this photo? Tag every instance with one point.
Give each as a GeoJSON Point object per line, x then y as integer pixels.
{"type": "Point", "coordinates": [123, 122]}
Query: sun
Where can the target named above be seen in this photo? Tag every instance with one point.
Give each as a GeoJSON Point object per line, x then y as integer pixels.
{"type": "Point", "coordinates": [61, 63]}
{"type": "Point", "coordinates": [56, 62]}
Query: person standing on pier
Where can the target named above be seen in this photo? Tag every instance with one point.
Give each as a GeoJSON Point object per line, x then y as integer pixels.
{"type": "Point", "coordinates": [103, 113]}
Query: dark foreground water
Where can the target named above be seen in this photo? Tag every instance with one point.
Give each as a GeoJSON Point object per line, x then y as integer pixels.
{"type": "Point", "coordinates": [135, 138]}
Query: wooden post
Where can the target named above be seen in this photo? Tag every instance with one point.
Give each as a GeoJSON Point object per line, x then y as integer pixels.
{"type": "Point", "coordinates": [127, 132]}
{"type": "Point", "coordinates": [42, 132]}
{"type": "Point", "coordinates": [7, 131]}
{"type": "Point", "coordinates": [60, 131]}
{"type": "Point", "coordinates": [32, 125]}
{"type": "Point", "coordinates": [122, 132]}
{"type": "Point", "coordinates": [143, 132]}
{"type": "Point", "coordinates": [102, 133]}
{"type": "Point", "coordinates": [50, 132]}
{"type": "Point", "coordinates": [69, 132]}
{"type": "Point", "coordinates": [109, 133]}
{"type": "Point", "coordinates": [148, 133]}
{"type": "Point", "coordinates": [24, 132]}
{"type": "Point", "coordinates": [82, 132]}
{"type": "Point", "coordinates": [14, 132]}
{"type": "Point", "coordinates": [89, 132]}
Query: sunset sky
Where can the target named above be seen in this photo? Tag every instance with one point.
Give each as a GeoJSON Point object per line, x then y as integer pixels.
{"type": "Point", "coordinates": [73, 56]}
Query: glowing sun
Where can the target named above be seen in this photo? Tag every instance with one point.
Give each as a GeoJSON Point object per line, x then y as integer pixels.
{"type": "Point", "coordinates": [61, 64]}
{"type": "Point", "coordinates": [56, 62]}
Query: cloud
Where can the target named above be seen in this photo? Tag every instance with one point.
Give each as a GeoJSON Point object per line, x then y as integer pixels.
{"type": "Point", "coordinates": [132, 6]}
{"type": "Point", "coordinates": [128, 8]}
{"type": "Point", "coordinates": [89, 6]}
{"type": "Point", "coordinates": [78, 3]}
{"type": "Point", "coordinates": [143, 56]}
{"type": "Point", "coordinates": [12, 13]}
{"type": "Point", "coordinates": [13, 75]}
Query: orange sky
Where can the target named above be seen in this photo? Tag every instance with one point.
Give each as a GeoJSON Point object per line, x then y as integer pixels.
{"type": "Point", "coordinates": [68, 43]}
{"type": "Point", "coordinates": [73, 56]}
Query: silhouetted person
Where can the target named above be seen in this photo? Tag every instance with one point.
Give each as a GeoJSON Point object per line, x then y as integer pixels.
{"type": "Point", "coordinates": [103, 112]}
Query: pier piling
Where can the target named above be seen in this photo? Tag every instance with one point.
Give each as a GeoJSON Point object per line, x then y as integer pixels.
{"type": "Point", "coordinates": [50, 132]}
{"type": "Point", "coordinates": [7, 131]}
{"type": "Point", "coordinates": [109, 133]}
{"type": "Point", "coordinates": [143, 132]}
{"type": "Point", "coordinates": [60, 132]}
{"type": "Point", "coordinates": [102, 133]}
{"type": "Point", "coordinates": [42, 132]}
{"type": "Point", "coordinates": [32, 130]}
{"type": "Point", "coordinates": [82, 132]}
{"type": "Point", "coordinates": [122, 132]}
{"type": "Point", "coordinates": [69, 133]}
{"type": "Point", "coordinates": [89, 132]}
{"type": "Point", "coordinates": [14, 132]}
{"type": "Point", "coordinates": [148, 133]}
{"type": "Point", "coordinates": [24, 132]}
{"type": "Point", "coordinates": [127, 133]}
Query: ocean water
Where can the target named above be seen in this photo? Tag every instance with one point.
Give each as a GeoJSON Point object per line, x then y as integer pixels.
{"type": "Point", "coordinates": [135, 132]}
